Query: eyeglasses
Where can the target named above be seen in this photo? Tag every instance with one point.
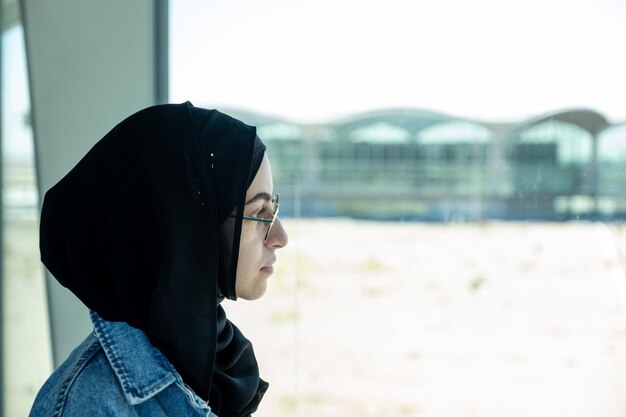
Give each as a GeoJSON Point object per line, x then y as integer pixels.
{"type": "Point", "coordinates": [270, 220]}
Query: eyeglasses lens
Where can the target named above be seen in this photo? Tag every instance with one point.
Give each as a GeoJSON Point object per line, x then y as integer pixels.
{"type": "Point", "coordinates": [275, 207]}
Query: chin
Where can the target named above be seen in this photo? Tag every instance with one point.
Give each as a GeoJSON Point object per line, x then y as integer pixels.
{"type": "Point", "coordinates": [253, 293]}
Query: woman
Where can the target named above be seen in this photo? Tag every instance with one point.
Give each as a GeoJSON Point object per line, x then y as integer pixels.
{"type": "Point", "coordinates": [167, 215]}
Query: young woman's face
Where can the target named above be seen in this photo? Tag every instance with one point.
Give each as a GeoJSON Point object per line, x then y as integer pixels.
{"type": "Point", "coordinates": [256, 257]}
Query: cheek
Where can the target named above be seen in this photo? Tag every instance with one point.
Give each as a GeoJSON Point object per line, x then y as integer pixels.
{"type": "Point", "coordinates": [248, 264]}
{"type": "Point", "coordinates": [248, 233]}
{"type": "Point", "coordinates": [249, 248]}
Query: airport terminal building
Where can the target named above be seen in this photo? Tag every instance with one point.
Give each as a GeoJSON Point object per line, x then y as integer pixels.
{"type": "Point", "coordinates": [420, 165]}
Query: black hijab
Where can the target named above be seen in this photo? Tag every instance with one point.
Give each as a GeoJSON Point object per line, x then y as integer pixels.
{"type": "Point", "coordinates": [138, 231]}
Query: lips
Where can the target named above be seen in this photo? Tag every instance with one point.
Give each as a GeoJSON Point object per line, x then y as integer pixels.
{"type": "Point", "coordinates": [269, 268]}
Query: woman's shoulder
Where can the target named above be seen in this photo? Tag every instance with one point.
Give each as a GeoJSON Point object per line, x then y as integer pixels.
{"type": "Point", "coordinates": [116, 372]}
{"type": "Point", "coordinates": [84, 384]}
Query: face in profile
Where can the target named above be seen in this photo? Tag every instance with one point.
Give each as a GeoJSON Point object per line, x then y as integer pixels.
{"type": "Point", "coordinates": [256, 253]}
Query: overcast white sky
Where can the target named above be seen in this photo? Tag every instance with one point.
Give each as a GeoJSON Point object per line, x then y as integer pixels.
{"type": "Point", "coordinates": [487, 59]}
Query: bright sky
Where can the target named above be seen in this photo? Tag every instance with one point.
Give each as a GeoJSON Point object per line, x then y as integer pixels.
{"type": "Point", "coordinates": [492, 60]}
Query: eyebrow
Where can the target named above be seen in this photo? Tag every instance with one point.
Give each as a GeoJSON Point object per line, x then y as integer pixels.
{"type": "Point", "coordinates": [259, 196]}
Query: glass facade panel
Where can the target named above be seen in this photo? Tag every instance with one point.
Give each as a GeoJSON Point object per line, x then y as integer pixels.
{"type": "Point", "coordinates": [612, 171]}
{"type": "Point", "coordinates": [551, 164]}
{"type": "Point", "coordinates": [27, 352]}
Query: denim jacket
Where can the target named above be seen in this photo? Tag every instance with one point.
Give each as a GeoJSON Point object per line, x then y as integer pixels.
{"type": "Point", "coordinates": [115, 371]}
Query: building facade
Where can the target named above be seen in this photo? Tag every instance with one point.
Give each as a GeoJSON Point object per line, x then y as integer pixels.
{"type": "Point", "coordinates": [419, 165]}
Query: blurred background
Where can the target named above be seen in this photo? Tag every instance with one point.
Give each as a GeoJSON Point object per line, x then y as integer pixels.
{"type": "Point", "coordinates": [452, 177]}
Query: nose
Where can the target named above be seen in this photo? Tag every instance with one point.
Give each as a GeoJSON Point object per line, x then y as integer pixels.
{"type": "Point", "coordinates": [278, 236]}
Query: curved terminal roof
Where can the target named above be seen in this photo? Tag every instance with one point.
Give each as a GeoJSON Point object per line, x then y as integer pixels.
{"type": "Point", "coordinates": [411, 120]}
{"type": "Point", "coordinates": [415, 120]}
{"type": "Point", "coordinates": [589, 120]}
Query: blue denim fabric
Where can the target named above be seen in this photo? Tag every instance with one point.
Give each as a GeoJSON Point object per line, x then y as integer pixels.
{"type": "Point", "coordinates": [115, 371]}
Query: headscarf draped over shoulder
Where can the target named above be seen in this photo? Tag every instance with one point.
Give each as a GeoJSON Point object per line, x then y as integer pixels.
{"type": "Point", "coordinates": [133, 230]}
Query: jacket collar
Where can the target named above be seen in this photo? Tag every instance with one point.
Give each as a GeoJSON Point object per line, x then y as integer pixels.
{"type": "Point", "coordinates": [142, 370]}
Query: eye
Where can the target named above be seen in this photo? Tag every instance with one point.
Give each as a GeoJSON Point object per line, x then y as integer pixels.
{"type": "Point", "coordinates": [258, 212]}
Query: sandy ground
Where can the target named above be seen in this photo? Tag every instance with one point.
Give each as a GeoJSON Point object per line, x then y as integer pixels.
{"type": "Point", "coordinates": [403, 319]}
